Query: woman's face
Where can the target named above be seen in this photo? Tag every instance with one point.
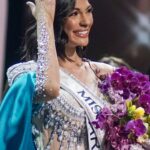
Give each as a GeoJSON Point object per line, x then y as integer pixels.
{"type": "Point", "coordinates": [78, 24]}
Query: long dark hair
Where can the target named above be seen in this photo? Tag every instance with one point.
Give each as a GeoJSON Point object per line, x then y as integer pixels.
{"type": "Point", "coordinates": [63, 9]}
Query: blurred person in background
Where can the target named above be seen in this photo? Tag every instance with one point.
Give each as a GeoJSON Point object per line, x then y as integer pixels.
{"type": "Point", "coordinates": [141, 26]}
{"type": "Point", "coordinates": [115, 61]}
{"type": "Point", "coordinates": [139, 30]}
{"type": "Point", "coordinates": [132, 29]}
{"type": "Point", "coordinates": [120, 32]}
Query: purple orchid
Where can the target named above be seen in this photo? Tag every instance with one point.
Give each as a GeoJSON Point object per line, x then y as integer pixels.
{"type": "Point", "coordinates": [144, 101]}
{"type": "Point", "coordinates": [146, 87]}
{"type": "Point", "coordinates": [136, 126]}
{"type": "Point", "coordinates": [104, 87]}
{"type": "Point", "coordinates": [102, 118]}
{"type": "Point", "coordinates": [123, 84]}
{"type": "Point", "coordinates": [119, 109]}
{"type": "Point", "coordinates": [117, 137]}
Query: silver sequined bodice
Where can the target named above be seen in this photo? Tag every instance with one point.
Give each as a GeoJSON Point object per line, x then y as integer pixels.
{"type": "Point", "coordinates": [60, 124]}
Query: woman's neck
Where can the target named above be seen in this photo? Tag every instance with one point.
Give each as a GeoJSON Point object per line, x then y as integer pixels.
{"type": "Point", "coordinates": [75, 61]}
{"type": "Point", "coordinates": [71, 53]}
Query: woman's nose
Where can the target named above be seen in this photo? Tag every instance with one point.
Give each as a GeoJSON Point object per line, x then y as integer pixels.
{"type": "Point", "coordinates": [85, 20]}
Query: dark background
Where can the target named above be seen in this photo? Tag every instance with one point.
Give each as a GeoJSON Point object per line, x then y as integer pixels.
{"type": "Point", "coordinates": [110, 34]}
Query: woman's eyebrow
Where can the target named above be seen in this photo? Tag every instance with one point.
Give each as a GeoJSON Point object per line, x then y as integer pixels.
{"type": "Point", "coordinates": [77, 9]}
{"type": "Point", "coordinates": [90, 6]}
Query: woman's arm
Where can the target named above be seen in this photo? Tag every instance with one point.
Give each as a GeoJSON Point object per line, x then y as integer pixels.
{"type": "Point", "coordinates": [47, 74]}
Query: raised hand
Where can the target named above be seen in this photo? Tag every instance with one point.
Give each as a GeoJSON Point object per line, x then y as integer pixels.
{"type": "Point", "coordinates": [47, 73]}
{"type": "Point", "coordinates": [43, 7]}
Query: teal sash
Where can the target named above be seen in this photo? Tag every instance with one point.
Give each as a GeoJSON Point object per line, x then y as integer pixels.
{"type": "Point", "coordinates": [16, 113]}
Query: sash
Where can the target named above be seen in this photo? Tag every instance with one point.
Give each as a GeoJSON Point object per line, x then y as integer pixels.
{"type": "Point", "coordinates": [90, 103]}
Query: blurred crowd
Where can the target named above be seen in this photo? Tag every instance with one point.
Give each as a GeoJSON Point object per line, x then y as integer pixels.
{"type": "Point", "coordinates": [139, 28]}
{"type": "Point", "coordinates": [123, 30]}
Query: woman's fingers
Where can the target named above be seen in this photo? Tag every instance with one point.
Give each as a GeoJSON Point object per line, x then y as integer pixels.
{"type": "Point", "coordinates": [32, 7]}
{"type": "Point", "coordinates": [46, 7]}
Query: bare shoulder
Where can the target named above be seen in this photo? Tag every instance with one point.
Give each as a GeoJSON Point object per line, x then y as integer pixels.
{"type": "Point", "coordinates": [102, 68]}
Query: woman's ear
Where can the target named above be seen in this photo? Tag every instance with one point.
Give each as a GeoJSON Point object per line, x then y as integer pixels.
{"type": "Point", "coordinates": [32, 7]}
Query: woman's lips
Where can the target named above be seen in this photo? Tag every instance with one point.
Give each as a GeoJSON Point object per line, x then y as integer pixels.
{"type": "Point", "coordinates": [82, 34]}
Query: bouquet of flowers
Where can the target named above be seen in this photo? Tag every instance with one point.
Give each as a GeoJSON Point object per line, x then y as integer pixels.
{"type": "Point", "coordinates": [127, 120]}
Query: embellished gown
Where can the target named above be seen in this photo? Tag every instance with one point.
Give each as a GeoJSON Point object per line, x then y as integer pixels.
{"type": "Point", "coordinates": [30, 124]}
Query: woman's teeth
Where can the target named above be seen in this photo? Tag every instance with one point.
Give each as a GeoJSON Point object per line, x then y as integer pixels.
{"type": "Point", "coordinates": [82, 33]}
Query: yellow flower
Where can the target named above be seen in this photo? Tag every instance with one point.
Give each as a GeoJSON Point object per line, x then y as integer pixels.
{"type": "Point", "coordinates": [132, 108]}
{"type": "Point", "coordinates": [139, 113]}
{"type": "Point", "coordinates": [128, 103]}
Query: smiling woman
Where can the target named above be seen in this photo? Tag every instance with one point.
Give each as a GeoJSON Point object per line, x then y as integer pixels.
{"type": "Point", "coordinates": [77, 26]}
{"type": "Point", "coordinates": [54, 95]}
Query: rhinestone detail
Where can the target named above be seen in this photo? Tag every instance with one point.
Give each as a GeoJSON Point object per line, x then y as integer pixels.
{"type": "Point", "coordinates": [64, 120]}
{"type": "Point", "coordinates": [42, 62]}
{"type": "Point", "coordinates": [14, 71]}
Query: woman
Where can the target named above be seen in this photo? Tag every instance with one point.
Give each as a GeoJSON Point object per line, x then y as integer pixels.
{"type": "Point", "coordinates": [59, 90]}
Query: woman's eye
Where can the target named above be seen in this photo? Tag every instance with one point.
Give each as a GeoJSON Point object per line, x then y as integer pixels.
{"type": "Point", "coordinates": [90, 10]}
{"type": "Point", "coordinates": [74, 13]}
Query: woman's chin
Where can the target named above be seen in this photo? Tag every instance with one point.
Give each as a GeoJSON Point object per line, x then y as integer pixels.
{"type": "Point", "coordinates": [83, 44]}
{"type": "Point", "coordinates": [79, 44]}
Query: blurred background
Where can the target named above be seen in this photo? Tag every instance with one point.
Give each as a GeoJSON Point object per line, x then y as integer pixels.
{"type": "Point", "coordinates": [121, 29]}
